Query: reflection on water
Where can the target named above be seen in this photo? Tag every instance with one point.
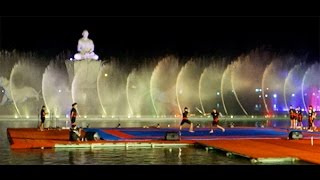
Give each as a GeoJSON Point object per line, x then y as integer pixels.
{"type": "Point", "coordinates": [122, 156]}
{"type": "Point", "coordinates": [111, 156]}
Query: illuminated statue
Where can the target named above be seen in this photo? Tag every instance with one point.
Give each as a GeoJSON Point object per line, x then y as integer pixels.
{"type": "Point", "coordinates": [85, 48]}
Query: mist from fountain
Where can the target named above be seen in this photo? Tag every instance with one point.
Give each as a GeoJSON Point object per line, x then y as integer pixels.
{"type": "Point", "coordinates": [292, 86]}
{"type": "Point", "coordinates": [56, 89]}
{"type": "Point", "coordinates": [187, 86]}
{"type": "Point", "coordinates": [84, 86]}
{"type": "Point", "coordinates": [230, 104]}
{"type": "Point", "coordinates": [246, 76]}
{"type": "Point", "coordinates": [311, 86]}
{"type": "Point", "coordinates": [210, 86]}
{"type": "Point", "coordinates": [273, 81]}
{"type": "Point", "coordinates": [163, 86]}
{"type": "Point", "coordinates": [256, 83]}
{"type": "Point", "coordinates": [111, 85]}
{"type": "Point", "coordinates": [138, 91]}
{"type": "Point", "coordinates": [25, 86]}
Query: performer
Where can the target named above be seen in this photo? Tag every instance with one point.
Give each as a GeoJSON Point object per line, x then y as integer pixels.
{"type": "Point", "coordinates": [311, 117]}
{"type": "Point", "coordinates": [292, 117]}
{"type": "Point", "coordinates": [43, 114]}
{"type": "Point", "coordinates": [215, 122]}
{"type": "Point", "coordinates": [73, 113]}
{"type": "Point", "coordinates": [299, 118]}
{"type": "Point", "coordinates": [186, 120]}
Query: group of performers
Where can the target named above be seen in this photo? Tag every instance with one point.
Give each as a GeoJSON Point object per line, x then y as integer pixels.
{"type": "Point", "coordinates": [75, 132]}
{"type": "Point", "coordinates": [296, 117]}
{"type": "Point", "coordinates": [215, 120]}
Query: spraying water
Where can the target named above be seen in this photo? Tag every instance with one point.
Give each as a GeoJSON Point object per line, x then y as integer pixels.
{"type": "Point", "coordinates": [56, 89]}
{"type": "Point", "coordinates": [112, 81]}
{"type": "Point", "coordinates": [138, 92]}
{"type": "Point", "coordinates": [210, 86]}
{"type": "Point", "coordinates": [187, 88]}
{"type": "Point", "coordinates": [311, 87]}
{"type": "Point", "coordinates": [255, 83]}
{"type": "Point", "coordinates": [163, 87]}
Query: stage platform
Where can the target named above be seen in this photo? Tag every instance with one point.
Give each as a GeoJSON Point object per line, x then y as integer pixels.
{"type": "Point", "coordinates": [261, 145]}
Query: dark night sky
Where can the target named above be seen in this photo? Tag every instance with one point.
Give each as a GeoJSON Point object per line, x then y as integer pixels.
{"type": "Point", "coordinates": [149, 36]}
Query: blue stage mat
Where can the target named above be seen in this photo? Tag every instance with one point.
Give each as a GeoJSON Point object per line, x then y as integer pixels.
{"type": "Point", "coordinates": [205, 132]}
{"type": "Point", "coordinates": [102, 134]}
{"type": "Point", "coordinates": [154, 133]}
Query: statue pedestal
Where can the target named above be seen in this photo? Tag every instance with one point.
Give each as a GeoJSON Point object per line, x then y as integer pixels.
{"type": "Point", "coordinates": [88, 66]}
{"type": "Point", "coordinates": [83, 80]}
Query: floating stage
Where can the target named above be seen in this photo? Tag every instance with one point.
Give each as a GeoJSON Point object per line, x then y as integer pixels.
{"type": "Point", "coordinates": [260, 145]}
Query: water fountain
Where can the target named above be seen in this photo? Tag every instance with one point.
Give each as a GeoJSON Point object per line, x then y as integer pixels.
{"type": "Point", "coordinates": [246, 76]}
{"type": "Point", "coordinates": [292, 86]}
{"type": "Point", "coordinates": [84, 85]}
{"type": "Point", "coordinates": [111, 85]}
{"type": "Point", "coordinates": [210, 86]}
{"type": "Point", "coordinates": [256, 83]}
{"type": "Point", "coordinates": [311, 87]}
{"type": "Point", "coordinates": [187, 86]}
{"type": "Point", "coordinates": [163, 87]}
{"type": "Point", "coordinates": [273, 83]}
{"type": "Point", "coordinates": [56, 89]}
{"type": "Point", "coordinates": [138, 91]}
{"type": "Point", "coordinates": [229, 103]}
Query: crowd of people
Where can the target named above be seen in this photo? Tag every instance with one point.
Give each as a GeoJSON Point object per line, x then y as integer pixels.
{"type": "Point", "coordinates": [296, 116]}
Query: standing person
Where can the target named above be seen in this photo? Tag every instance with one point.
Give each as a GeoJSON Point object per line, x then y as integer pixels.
{"type": "Point", "coordinates": [299, 118]}
{"type": "Point", "coordinates": [43, 114]}
{"type": "Point", "coordinates": [215, 122]}
{"type": "Point", "coordinates": [73, 113]}
{"type": "Point", "coordinates": [292, 113]}
{"type": "Point", "coordinates": [311, 117]}
{"type": "Point", "coordinates": [186, 120]}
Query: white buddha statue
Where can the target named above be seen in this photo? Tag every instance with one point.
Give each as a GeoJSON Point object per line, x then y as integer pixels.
{"type": "Point", "coordinates": [85, 48]}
